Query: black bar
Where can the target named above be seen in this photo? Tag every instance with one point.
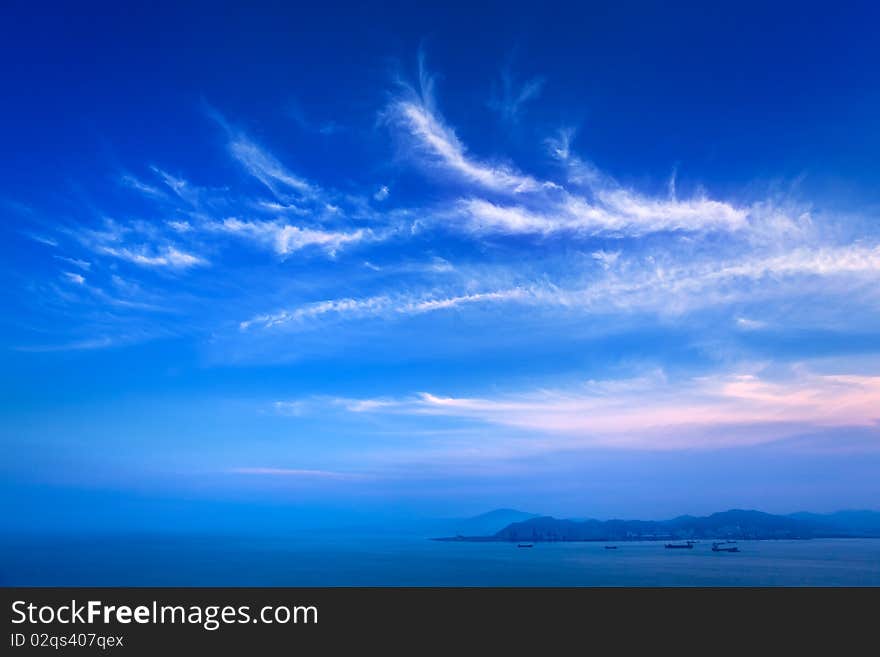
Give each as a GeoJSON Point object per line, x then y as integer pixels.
{"type": "Point", "coordinates": [423, 620]}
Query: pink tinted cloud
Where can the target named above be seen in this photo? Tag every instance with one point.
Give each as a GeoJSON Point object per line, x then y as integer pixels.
{"type": "Point", "coordinates": [653, 413]}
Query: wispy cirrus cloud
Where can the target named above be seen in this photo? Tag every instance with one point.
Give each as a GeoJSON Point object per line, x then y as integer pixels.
{"type": "Point", "coordinates": [622, 285]}
{"type": "Point", "coordinates": [617, 249]}
{"type": "Point", "coordinates": [285, 239]}
{"type": "Point", "coordinates": [76, 262]}
{"type": "Point", "coordinates": [74, 278]}
{"type": "Point", "coordinates": [265, 167]}
{"type": "Point", "coordinates": [382, 305]}
{"type": "Point", "coordinates": [509, 101]}
{"type": "Point", "coordinates": [748, 324]}
{"type": "Point", "coordinates": [77, 345]}
{"type": "Point", "coordinates": [671, 287]}
{"type": "Point", "coordinates": [416, 113]}
{"type": "Point", "coordinates": [166, 257]}
{"type": "Point", "coordinates": [135, 183]}
{"type": "Point", "coordinates": [619, 213]}
{"type": "Point", "coordinates": [140, 243]}
{"type": "Point", "coordinates": [259, 162]}
{"type": "Point", "coordinates": [42, 239]}
{"type": "Point", "coordinates": [182, 188]}
{"type": "Point", "coordinates": [652, 412]}
{"type": "Point", "coordinates": [441, 142]}
{"type": "Point", "coordinates": [588, 202]}
{"type": "Point", "coordinates": [296, 473]}
{"type": "Point", "coordinates": [370, 306]}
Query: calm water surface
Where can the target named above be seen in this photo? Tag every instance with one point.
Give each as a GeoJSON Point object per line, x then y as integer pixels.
{"type": "Point", "coordinates": [321, 560]}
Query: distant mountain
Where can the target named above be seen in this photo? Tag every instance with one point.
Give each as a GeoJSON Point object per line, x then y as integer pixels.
{"type": "Point", "coordinates": [733, 524]}
{"type": "Point", "coordinates": [488, 523]}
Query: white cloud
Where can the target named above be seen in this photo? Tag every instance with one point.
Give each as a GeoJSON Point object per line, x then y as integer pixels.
{"type": "Point", "coordinates": [74, 278]}
{"type": "Point", "coordinates": [76, 262]}
{"type": "Point", "coordinates": [429, 305]}
{"type": "Point", "coordinates": [382, 305]}
{"type": "Point", "coordinates": [639, 212]}
{"type": "Point", "coordinates": [673, 287]}
{"type": "Point", "coordinates": [295, 472]}
{"type": "Point", "coordinates": [617, 213]}
{"type": "Point", "coordinates": [439, 265]}
{"type": "Point", "coordinates": [285, 239]}
{"type": "Point", "coordinates": [435, 265]}
{"type": "Point", "coordinates": [822, 261]}
{"type": "Point", "coordinates": [180, 226]}
{"type": "Point", "coordinates": [606, 258]}
{"type": "Point", "coordinates": [281, 208]}
{"type": "Point", "coordinates": [179, 186]}
{"type": "Point", "coordinates": [48, 241]}
{"type": "Point", "coordinates": [259, 163]}
{"type": "Point", "coordinates": [444, 146]}
{"type": "Point", "coordinates": [139, 185]}
{"type": "Point", "coordinates": [292, 408]}
{"type": "Point", "coordinates": [79, 345]}
{"type": "Point", "coordinates": [343, 307]}
{"type": "Point", "coordinates": [721, 253]}
{"type": "Point", "coordinates": [559, 144]}
{"type": "Point", "coordinates": [608, 208]}
{"type": "Point", "coordinates": [265, 167]}
{"type": "Point", "coordinates": [747, 324]}
{"type": "Point", "coordinates": [365, 405]}
{"type": "Point", "coordinates": [513, 96]}
{"type": "Point", "coordinates": [170, 257]}
{"type": "Point", "coordinates": [653, 288]}
{"type": "Point", "coordinates": [653, 413]}
{"type": "Point", "coordinates": [139, 242]}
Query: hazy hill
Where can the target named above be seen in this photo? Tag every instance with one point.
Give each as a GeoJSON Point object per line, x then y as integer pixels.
{"type": "Point", "coordinates": [488, 523]}
{"type": "Point", "coordinates": [733, 524]}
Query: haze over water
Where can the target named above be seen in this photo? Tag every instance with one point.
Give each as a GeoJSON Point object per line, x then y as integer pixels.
{"type": "Point", "coordinates": [370, 560]}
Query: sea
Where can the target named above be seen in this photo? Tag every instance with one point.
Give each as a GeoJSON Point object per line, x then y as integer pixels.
{"type": "Point", "coordinates": [338, 559]}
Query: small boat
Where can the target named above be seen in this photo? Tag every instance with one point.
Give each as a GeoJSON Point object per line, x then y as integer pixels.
{"type": "Point", "coordinates": [525, 545]}
{"type": "Point", "coordinates": [680, 546]}
{"type": "Point", "coordinates": [724, 547]}
{"type": "Point", "coordinates": [610, 547]}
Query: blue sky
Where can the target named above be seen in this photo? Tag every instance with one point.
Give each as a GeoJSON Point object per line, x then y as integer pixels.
{"type": "Point", "coordinates": [589, 261]}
